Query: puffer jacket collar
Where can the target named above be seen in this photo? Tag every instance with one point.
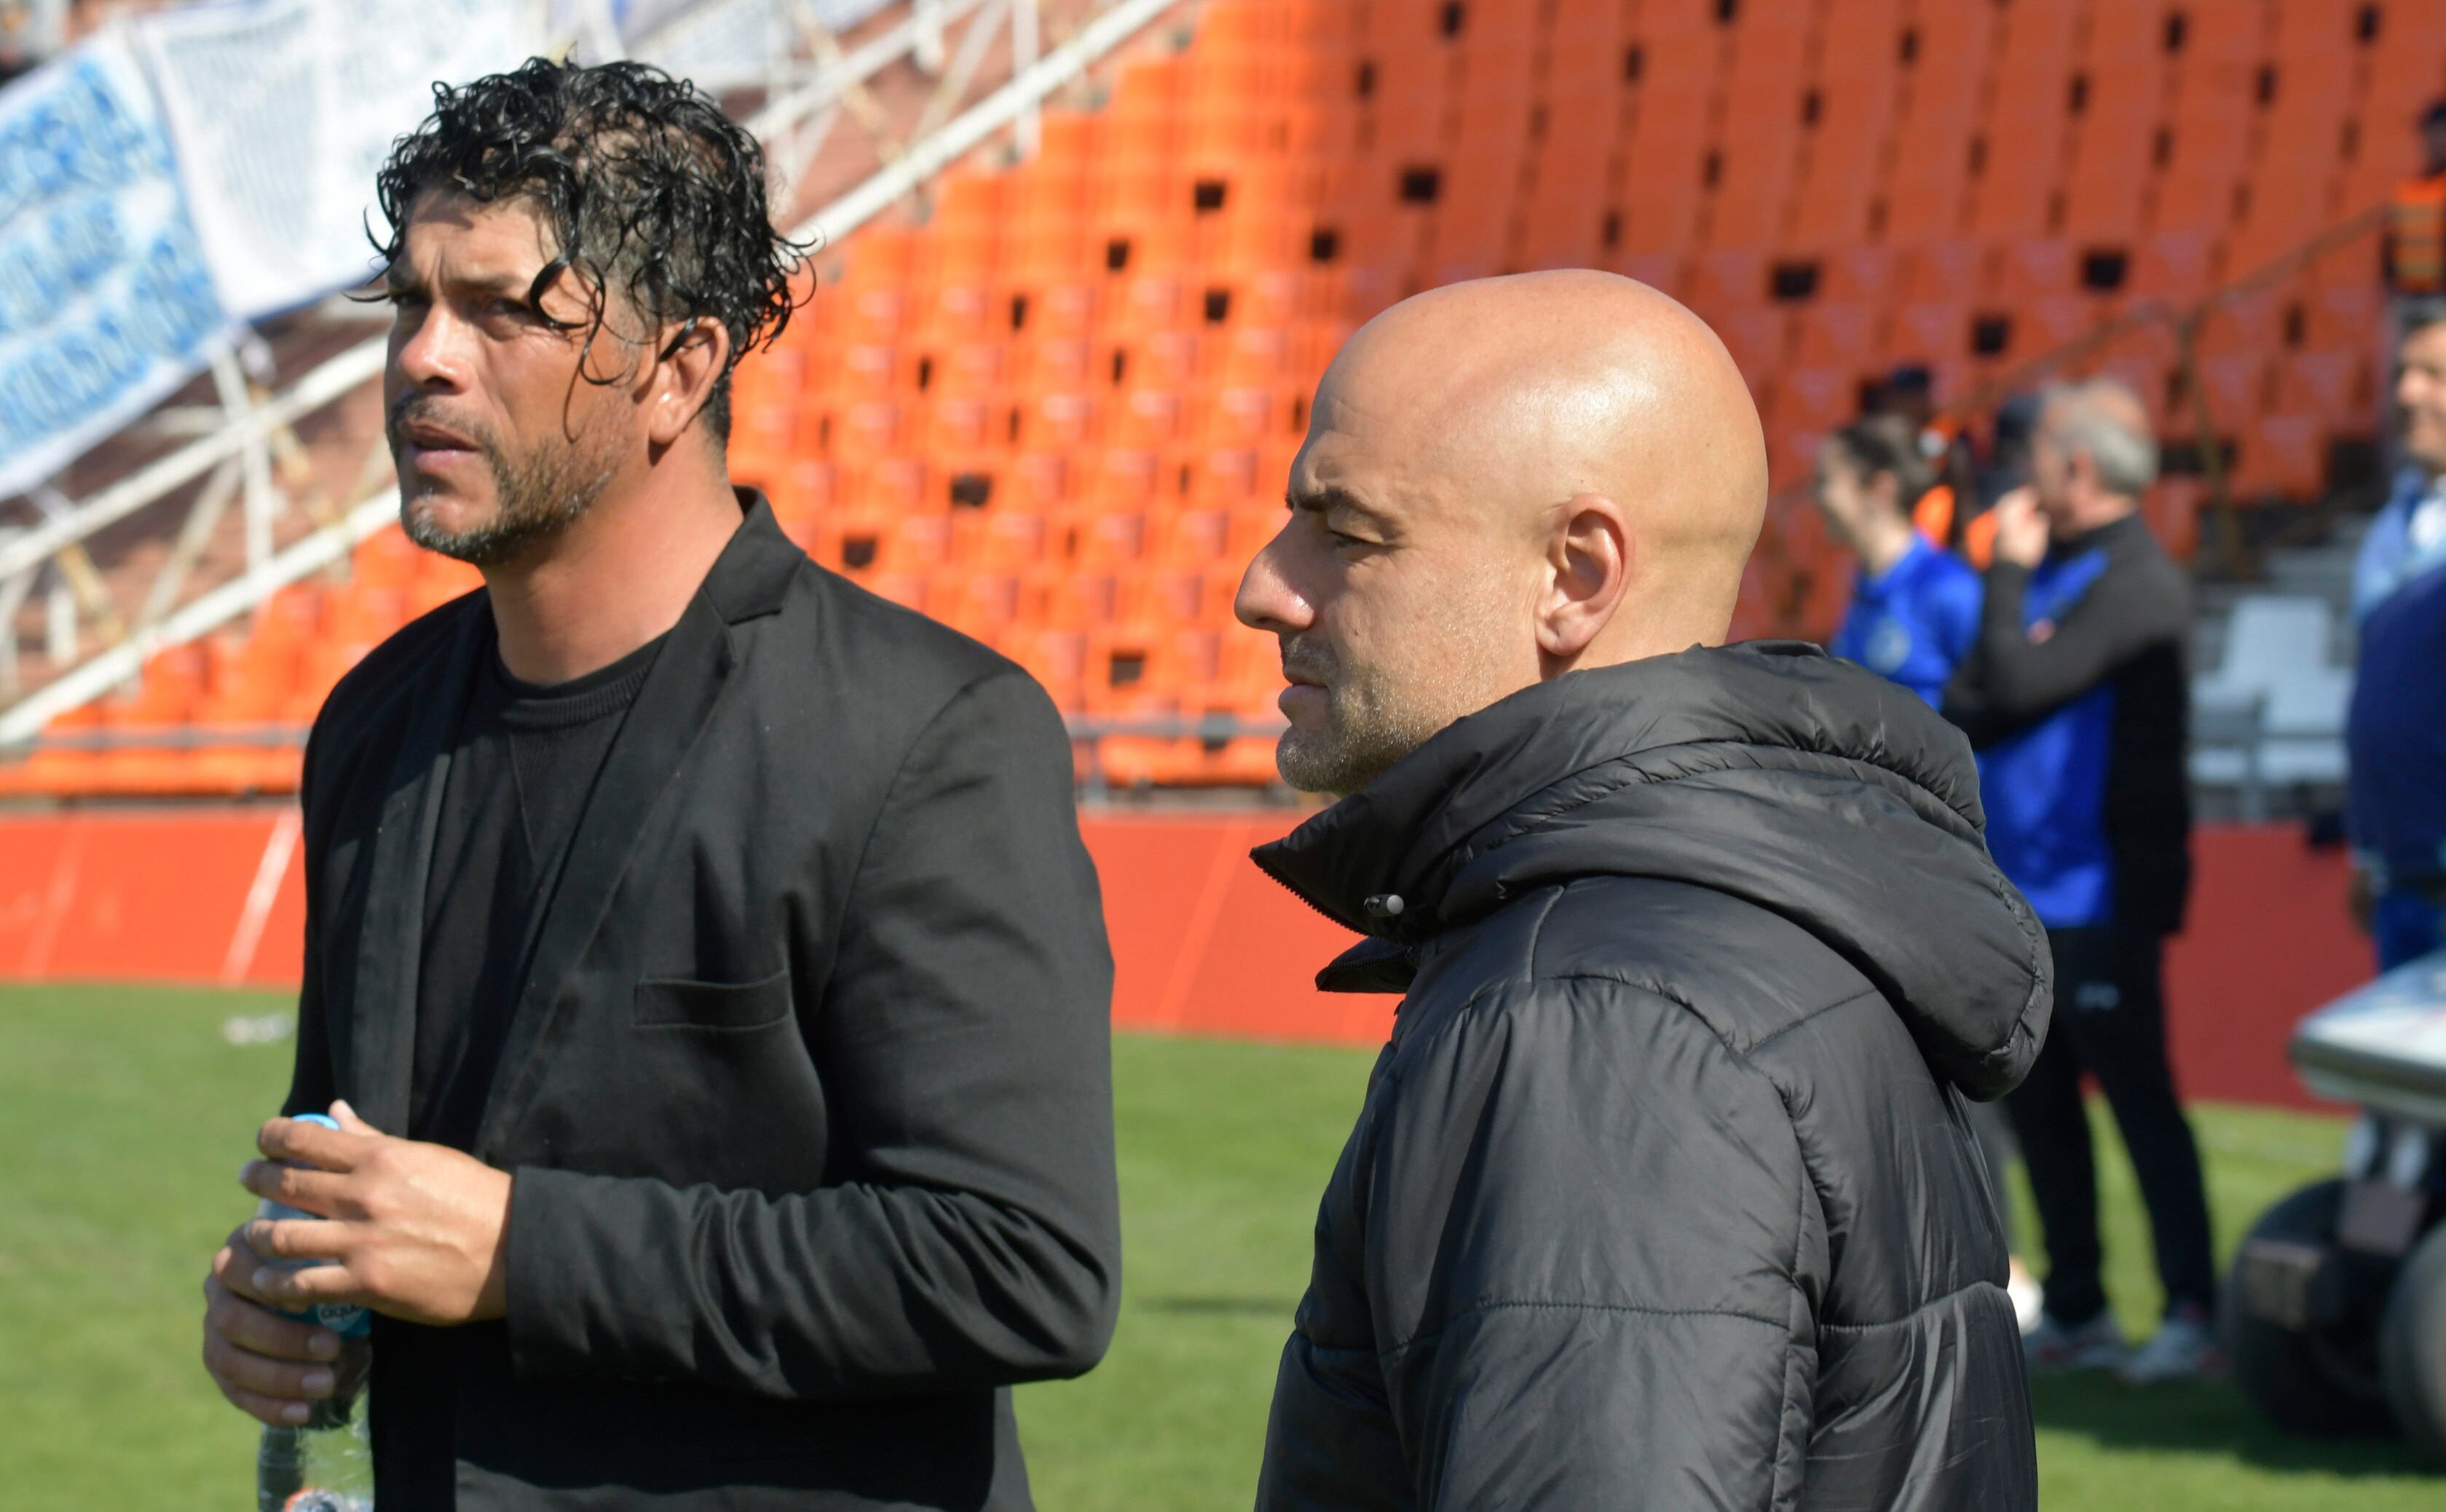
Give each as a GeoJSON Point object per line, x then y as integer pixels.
{"type": "Point", "coordinates": [1768, 771]}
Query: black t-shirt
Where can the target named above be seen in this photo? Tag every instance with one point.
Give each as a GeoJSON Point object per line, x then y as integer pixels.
{"type": "Point", "coordinates": [522, 765]}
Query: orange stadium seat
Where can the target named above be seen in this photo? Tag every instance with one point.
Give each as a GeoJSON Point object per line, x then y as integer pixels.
{"type": "Point", "coordinates": [1945, 51]}
{"type": "Point", "coordinates": [2173, 265]}
{"type": "Point", "coordinates": [1848, 112]}
{"type": "Point", "coordinates": [2279, 454]}
{"type": "Point", "coordinates": [1840, 337]}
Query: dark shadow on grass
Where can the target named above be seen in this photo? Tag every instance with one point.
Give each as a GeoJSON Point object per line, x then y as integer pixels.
{"type": "Point", "coordinates": [2208, 1419]}
{"type": "Point", "coordinates": [1223, 1306]}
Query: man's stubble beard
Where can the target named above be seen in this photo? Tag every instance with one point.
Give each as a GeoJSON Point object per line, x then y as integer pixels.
{"type": "Point", "coordinates": [1366, 730]}
{"type": "Point", "coordinates": [1374, 716]}
{"type": "Point", "coordinates": [536, 496]}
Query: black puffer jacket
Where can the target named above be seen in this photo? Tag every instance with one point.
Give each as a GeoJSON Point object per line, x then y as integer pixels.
{"type": "Point", "coordinates": [1661, 1196]}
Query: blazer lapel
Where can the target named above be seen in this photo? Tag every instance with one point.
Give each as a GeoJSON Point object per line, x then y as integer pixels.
{"type": "Point", "coordinates": [672, 710]}
{"type": "Point", "coordinates": [378, 1061]}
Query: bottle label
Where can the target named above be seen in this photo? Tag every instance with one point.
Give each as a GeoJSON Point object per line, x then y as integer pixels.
{"type": "Point", "coordinates": [347, 1320]}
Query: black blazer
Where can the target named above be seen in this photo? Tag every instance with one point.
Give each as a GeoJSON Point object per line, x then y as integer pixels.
{"type": "Point", "coordinates": [808, 1092]}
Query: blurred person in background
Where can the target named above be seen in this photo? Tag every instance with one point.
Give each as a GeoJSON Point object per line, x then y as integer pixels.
{"type": "Point", "coordinates": [2007, 465]}
{"type": "Point", "coordinates": [31, 33]}
{"type": "Point", "coordinates": [701, 955]}
{"type": "Point", "coordinates": [1913, 615]}
{"type": "Point", "coordinates": [2005, 468]}
{"type": "Point", "coordinates": [2076, 697]}
{"type": "Point", "coordinates": [1661, 1194]}
{"type": "Point", "coordinates": [2413, 252]}
{"type": "Point", "coordinates": [1907, 393]}
{"type": "Point", "coordinates": [2411, 264]}
{"type": "Point", "coordinates": [1914, 607]}
{"type": "Point", "coordinates": [2395, 736]}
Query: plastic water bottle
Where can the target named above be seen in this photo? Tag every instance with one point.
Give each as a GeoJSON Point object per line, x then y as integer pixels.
{"type": "Point", "coordinates": [326, 1463]}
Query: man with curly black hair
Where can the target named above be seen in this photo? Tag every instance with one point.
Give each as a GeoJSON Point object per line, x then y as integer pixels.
{"type": "Point", "coordinates": [701, 962]}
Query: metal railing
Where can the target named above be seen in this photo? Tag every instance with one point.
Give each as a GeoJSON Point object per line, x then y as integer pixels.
{"type": "Point", "coordinates": [273, 736]}
{"type": "Point", "coordinates": [1213, 729]}
{"type": "Point", "coordinates": [1087, 732]}
{"type": "Point", "coordinates": [253, 449]}
{"type": "Point", "coordinates": [1014, 104]}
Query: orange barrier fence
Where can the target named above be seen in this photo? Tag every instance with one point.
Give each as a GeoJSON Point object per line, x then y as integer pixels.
{"type": "Point", "coordinates": [1203, 942]}
{"type": "Point", "coordinates": [199, 896]}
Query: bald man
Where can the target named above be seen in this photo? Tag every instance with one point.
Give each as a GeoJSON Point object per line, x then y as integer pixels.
{"type": "Point", "coordinates": [1663, 1194]}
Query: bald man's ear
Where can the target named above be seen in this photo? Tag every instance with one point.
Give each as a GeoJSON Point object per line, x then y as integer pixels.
{"type": "Point", "coordinates": [1589, 559]}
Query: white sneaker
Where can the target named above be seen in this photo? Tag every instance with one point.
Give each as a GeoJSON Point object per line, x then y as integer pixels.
{"type": "Point", "coordinates": [2097, 1345]}
{"type": "Point", "coordinates": [2183, 1348]}
{"type": "Point", "coordinates": [2028, 1297]}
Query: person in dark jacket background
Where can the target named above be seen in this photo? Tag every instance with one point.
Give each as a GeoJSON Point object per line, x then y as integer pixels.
{"type": "Point", "coordinates": [2077, 700]}
{"type": "Point", "coordinates": [1662, 1193]}
{"type": "Point", "coordinates": [701, 953]}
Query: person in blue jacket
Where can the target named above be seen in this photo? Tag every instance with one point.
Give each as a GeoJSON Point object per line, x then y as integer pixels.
{"type": "Point", "coordinates": [1915, 607]}
{"type": "Point", "coordinates": [2394, 735]}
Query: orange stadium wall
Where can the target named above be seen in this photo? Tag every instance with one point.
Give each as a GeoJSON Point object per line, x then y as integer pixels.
{"type": "Point", "coordinates": [1203, 943]}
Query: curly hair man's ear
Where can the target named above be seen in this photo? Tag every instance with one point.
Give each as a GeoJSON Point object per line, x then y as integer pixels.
{"type": "Point", "coordinates": [691, 374]}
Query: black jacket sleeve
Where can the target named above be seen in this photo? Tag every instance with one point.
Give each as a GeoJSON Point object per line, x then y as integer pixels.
{"type": "Point", "coordinates": [964, 1035]}
{"type": "Point", "coordinates": [1588, 1254]}
{"type": "Point", "coordinates": [2010, 680]}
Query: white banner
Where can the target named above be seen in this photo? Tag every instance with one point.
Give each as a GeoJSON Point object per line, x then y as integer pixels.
{"type": "Point", "coordinates": [717, 46]}
{"type": "Point", "coordinates": [282, 110]}
{"type": "Point", "coordinates": [106, 304]}
{"type": "Point", "coordinates": [629, 19]}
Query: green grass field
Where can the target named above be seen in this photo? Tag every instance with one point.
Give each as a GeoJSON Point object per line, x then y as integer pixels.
{"type": "Point", "coordinates": [125, 1114]}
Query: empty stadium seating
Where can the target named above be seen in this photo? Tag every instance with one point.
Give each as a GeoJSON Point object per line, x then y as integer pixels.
{"type": "Point", "coordinates": [2275, 699]}
{"type": "Point", "coordinates": [1056, 406]}
{"type": "Point", "coordinates": [224, 714]}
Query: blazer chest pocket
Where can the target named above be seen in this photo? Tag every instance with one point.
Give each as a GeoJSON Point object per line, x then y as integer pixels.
{"type": "Point", "coordinates": [671, 1003]}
